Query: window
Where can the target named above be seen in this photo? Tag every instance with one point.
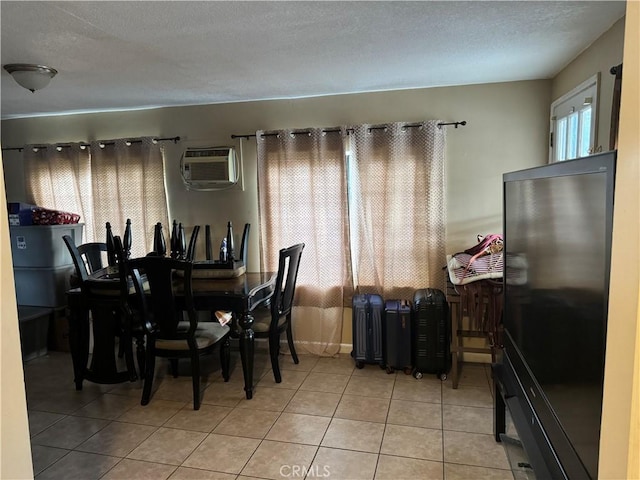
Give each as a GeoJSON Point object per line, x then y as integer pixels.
{"type": "Point", "coordinates": [573, 122]}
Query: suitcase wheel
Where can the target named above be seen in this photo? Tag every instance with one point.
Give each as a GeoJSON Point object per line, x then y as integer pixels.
{"type": "Point", "coordinates": [442, 376]}
{"type": "Point", "coordinates": [390, 370]}
{"type": "Point", "coordinates": [417, 375]}
{"type": "Point", "coordinates": [383, 366]}
{"type": "Point", "coordinates": [407, 370]}
{"type": "Point", "coordinates": [359, 365]}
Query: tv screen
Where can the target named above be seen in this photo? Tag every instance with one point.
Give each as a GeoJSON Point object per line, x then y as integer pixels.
{"type": "Point", "coordinates": [557, 227]}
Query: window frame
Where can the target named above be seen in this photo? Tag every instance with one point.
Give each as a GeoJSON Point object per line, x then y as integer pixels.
{"type": "Point", "coordinates": [592, 83]}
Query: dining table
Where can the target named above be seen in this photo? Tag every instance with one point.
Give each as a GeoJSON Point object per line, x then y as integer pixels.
{"type": "Point", "coordinates": [101, 296]}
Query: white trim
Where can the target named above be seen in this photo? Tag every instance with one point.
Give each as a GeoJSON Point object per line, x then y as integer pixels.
{"type": "Point", "coordinates": [588, 83]}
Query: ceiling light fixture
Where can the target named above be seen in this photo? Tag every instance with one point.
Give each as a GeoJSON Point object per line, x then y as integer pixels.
{"type": "Point", "coordinates": [32, 77]}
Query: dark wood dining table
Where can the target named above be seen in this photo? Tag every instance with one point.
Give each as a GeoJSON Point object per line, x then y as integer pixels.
{"type": "Point", "coordinates": [239, 295]}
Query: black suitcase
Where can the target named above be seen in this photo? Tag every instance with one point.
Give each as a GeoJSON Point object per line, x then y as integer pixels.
{"type": "Point", "coordinates": [368, 312]}
{"type": "Point", "coordinates": [431, 333]}
{"type": "Point", "coordinates": [397, 335]}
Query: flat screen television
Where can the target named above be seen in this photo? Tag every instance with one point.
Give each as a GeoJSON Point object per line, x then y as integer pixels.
{"type": "Point", "coordinates": [557, 229]}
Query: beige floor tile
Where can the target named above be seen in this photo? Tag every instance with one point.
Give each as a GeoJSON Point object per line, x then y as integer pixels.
{"type": "Point", "coordinates": [168, 445]}
{"type": "Point", "coordinates": [69, 432]}
{"type": "Point", "coordinates": [44, 457]}
{"type": "Point", "coordinates": [415, 414]}
{"type": "Point", "coordinates": [297, 428]}
{"type": "Point", "coordinates": [64, 401]}
{"type": "Point", "coordinates": [184, 473]}
{"type": "Point", "coordinates": [267, 398]}
{"type": "Point", "coordinates": [313, 403]}
{"type": "Point", "coordinates": [277, 460]}
{"type": "Point", "coordinates": [354, 435]}
{"type": "Point", "coordinates": [325, 382]}
{"type": "Point", "coordinates": [305, 362]}
{"type": "Point", "coordinates": [474, 449]}
{"type": "Point", "coordinates": [222, 453]}
{"type": "Point", "coordinates": [157, 412]}
{"type": "Point", "coordinates": [414, 442]}
{"type": "Point", "coordinates": [467, 419]}
{"type": "Point", "coordinates": [465, 472]}
{"type": "Point", "coordinates": [402, 468]}
{"type": "Point", "coordinates": [117, 439]}
{"type": "Point", "coordinates": [107, 406]}
{"type": "Point", "coordinates": [471, 375]}
{"type": "Point", "coordinates": [332, 463]}
{"type": "Point", "coordinates": [203, 420]}
{"type": "Point", "coordinates": [226, 394]}
{"type": "Point", "coordinates": [80, 466]}
{"type": "Point", "coordinates": [370, 387]}
{"type": "Point", "coordinates": [422, 390]}
{"type": "Point", "coordinates": [340, 365]}
{"type": "Point", "coordinates": [243, 422]}
{"type": "Point", "coordinates": [467, 396]}
{"type": "Point", "coordinates": [178, 389]}
{"type": "Point", "coordinates": [134, 470]}
{"type": "Point", "coordinates": [39, 421]}
{"type": "Point", "coordinates": [366, 409]}
{"type": "Point", "coordinates": [291, 379]}
{"type": "Point", "coordinates": [371, 370]}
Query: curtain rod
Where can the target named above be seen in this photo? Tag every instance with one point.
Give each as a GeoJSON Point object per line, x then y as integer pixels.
{"type": "Point", "coordinates": [60, 146]}
{"type": "Point", "coordinates": [333, 130]}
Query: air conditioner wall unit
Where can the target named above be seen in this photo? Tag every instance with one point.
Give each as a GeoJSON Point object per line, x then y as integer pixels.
{"type": "Point", "coordinates": [205, 168]}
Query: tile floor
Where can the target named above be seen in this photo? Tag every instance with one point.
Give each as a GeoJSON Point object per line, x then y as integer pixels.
{"type": "Point", "coordinates": [326, 419]}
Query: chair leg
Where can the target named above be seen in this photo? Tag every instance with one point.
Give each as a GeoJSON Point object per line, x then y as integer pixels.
{"type": "Point", "coordinates": [292, 347]}
{"type": "Point", "coordinates": [274, 347]}
{"type": "Point", "coordinates": [195, 377]}
{"type": "Point", "coordinates": [150, 365]}
{"type": "Point", "coordinates": [174, 367]}
{"type": "Point", "coordinates": [140, 354]}
{"type": "Point", "coordinates": [225, 358]}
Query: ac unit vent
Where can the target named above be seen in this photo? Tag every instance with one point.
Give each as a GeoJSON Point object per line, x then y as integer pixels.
{"type": "Point", "coordinates": [209, 167]}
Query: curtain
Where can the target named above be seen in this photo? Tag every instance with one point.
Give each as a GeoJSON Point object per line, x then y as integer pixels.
{"type": "Point", "coordinates": [303, 198]}
{"type": "Point", "coordinates": [102, 184]}
{"type": "Point", "coordinates": [125, 178]}
{"type": "Point", "coordinates": [397, 208]}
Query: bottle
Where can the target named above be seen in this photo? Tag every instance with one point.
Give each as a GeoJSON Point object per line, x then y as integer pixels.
{"type": "Point", "coordinates": [230, 249]}
{"type": "Point", "coordinates": [223, 250]}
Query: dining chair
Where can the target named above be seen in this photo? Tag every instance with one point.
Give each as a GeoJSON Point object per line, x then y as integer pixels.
{"type": "Point", "coordinates": [270, 322]}
{"type": "Point", "coordinates": [164, 305]}
{"type": "Point", "coordinates": [104, 301]}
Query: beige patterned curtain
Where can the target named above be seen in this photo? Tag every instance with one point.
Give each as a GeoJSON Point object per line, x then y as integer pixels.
{"type": "Point", "coordinates": [102, 184]}
{"type": "Point", "coordinates": [126, 178]}
{"type": "Point", "coordinates": [397, 207]}
{"type": "Point", "coordinates": [303, 198]}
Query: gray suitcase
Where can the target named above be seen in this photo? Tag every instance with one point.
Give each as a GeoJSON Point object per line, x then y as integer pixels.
{"type": "Point", "coordinates": [367, 317]}
{"type": "Point", "coordinates": [432, 333]}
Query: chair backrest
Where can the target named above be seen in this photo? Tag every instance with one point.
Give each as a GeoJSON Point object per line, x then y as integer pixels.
{"type": "Point", "coordinates": [92, 253]}
{"type": "Point", "coordinates": [76, 257]}
{"type": "Point", "coordinates": [191, 250]}
{"type": "Point", "coordinates": [244, 245]}
{"type": "Point", "coordinates": [289, 261]}
{"type": "Point", "coordinates": [164, 276]}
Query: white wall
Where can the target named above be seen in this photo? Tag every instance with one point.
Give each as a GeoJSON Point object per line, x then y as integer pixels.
{"type": "Point", "coordinates": [506, 130]}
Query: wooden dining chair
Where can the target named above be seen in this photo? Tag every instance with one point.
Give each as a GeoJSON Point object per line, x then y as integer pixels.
{"type": "Point", "coordinates": [191, 249]}
{"type": "Point", "coordinates": [164, 305]}
{"type": "Point", "coordinates": [270, 322]}
{"type": "Point", "coordinates": [244, 244]}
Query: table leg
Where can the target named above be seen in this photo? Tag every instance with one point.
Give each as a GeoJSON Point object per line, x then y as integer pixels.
{"type": "Point", "coordinates": [247, 352]}
{"type": "Point", "coordinates": [79, 343]}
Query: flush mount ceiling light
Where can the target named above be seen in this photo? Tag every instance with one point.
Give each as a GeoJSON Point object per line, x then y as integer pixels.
{"type": "Point", "coordinates": [32, 77]}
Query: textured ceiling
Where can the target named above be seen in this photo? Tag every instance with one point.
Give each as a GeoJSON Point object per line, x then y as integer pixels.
{"type": "Point", "coordinates": [144, 54]}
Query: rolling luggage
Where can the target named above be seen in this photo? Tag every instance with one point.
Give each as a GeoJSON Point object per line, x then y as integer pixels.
{"type": "Point", "coordinates": [431, 333]}
{"type": "Point", "coordinates": [368, 312]}
{"type": "Point", "coordinates": [397, 335]}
